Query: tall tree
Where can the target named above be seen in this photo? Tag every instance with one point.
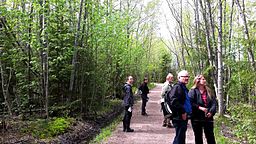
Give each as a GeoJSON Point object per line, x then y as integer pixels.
{"type": "Point", "coordinates": [220, 62]}
{"type": "Point", "coordinates": [246, 31]}
{"type": "Point", "coordinates": [74, 59]}
{"type": "Point", "coordinates": [44, 52]}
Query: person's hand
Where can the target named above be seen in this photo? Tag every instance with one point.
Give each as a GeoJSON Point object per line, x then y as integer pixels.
{"type": "Point", "coordinates": [184, 116]}
{"type": "Point", "coordinates": [130, 109]}
{"type": "Point", "coordinates": [208, 115]}
{"type": "Point", "coordinates": [203, 109]}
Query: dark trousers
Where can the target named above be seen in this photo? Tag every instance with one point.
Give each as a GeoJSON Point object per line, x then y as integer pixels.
{"type": "Point", "coordinates": [180, 129]}
{"type": "Point", "coordinates": [163, 108]}
{"type": "Point", "coordinates": [198, 127]}
{"type": "Point", "coordinates": [143, 106]}
{"type": "Point", "coordinates": [127, 118]}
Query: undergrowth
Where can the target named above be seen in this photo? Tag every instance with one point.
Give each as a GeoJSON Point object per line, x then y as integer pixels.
{"type": "Point", "coordinates": [239, 128]}
{"type": "Point", "coordinates": [107, 131]}
{"type": "Point", "coordinates": [43, 128]}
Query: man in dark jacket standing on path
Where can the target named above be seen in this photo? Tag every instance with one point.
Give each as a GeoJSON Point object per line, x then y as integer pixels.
{"type": "Point", "coordinates": [128, 103]}
{"type": "Point", "coordinates": [180, 106]}
{"type": "Point", "coordinates": [144, 96]}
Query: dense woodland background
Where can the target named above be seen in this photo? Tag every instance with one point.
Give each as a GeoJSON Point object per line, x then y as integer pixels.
{"type": "Point", "coordinates": [73, 55]}
{"type": "Point", "coordinates": [69, 57]}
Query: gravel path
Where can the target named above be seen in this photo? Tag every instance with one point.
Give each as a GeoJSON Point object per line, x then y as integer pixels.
{"type": "Point", "coordinates": [148, 129]}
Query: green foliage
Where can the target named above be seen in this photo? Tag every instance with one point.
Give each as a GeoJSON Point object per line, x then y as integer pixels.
{"type": "Point", "coordinates": [241, 84]}
{"type": "Point", "coordinates": [165, 66]}
{"type": "Point", "coordinates": [244, 122]}
{"type": "Point", "coordinates": [240, 127]}
{"type": "Point", "coordinates": [109, 47]}
{"type": "Point", "coordinates": [219, 123]}
{"type": "Point", "coordinates": [58, 126]}
{"type": "Point", "coordinates": [108, 106]}
{"type": "Point", "coordinates": [151, 85]}
{"type": "Point", "coordinates": [48, 128]}
{"type": "Point", "coordinates": [106, 132]}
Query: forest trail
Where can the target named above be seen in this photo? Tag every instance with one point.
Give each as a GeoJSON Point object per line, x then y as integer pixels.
{"type": "Point", "coordinates": [148, 129]}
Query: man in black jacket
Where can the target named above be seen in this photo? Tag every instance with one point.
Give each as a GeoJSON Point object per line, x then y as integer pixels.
{"type": "Point", "coordinates": [180, 106]}
{"type": "Point", "coordinates": [128, 104]}
{"type": "Point", "coordinates": [144, 96]}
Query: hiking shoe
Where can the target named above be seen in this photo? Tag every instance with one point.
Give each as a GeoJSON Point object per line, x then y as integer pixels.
{"type": "Point", "coordinates": [130, 130]}
{"type": "Point", "coordinates": [144, 114]}
{"type": "Point", "coordinates": [169, 126]}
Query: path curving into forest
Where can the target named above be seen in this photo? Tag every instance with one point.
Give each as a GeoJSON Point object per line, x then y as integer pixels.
{"type": "Point", "coordinates": [148, 129]}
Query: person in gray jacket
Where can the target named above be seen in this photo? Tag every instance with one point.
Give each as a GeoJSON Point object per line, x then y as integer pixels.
{"type": "Point", "coordinates": [167, 86]}
{"type": "Point", "coordinates": [128, 102]}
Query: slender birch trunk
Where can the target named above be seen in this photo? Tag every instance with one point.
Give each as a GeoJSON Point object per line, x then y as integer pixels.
{"type": "Point", "coordinates": [220, 62]}
{"type": "Point", "coordinates": [44, 54]}
{"type": "Point", "coordinates": [74, 59]}
{"type": "Point", "coordinates": [247, 37]}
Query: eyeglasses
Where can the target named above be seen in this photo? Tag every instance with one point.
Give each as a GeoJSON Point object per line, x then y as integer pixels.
{"type": "Point", "coordinates": [185, 76]}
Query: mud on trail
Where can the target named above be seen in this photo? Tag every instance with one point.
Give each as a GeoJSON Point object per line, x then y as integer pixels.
{"type": "Point", "coordinates": [148, 129]}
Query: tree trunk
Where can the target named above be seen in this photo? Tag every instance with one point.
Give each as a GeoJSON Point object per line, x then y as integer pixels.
{"type": "Point", "coordinates": [5, 87]}
{"type": "Point", "coordinates": [220, 62]}
{"type": "Point", "coordinates": [247, 37]}
{"type": "Point", "coordinates": [29, 55]}
{"type": "Point", "coordinates": [182, 35]}
{"type": "Point", "coordinates": [175, 54]}
{"type": "Point", "coordinates": [230, 27]}
{"type": "Point", "coordinates": [178, 17]}
{"type": "Point", "coordinates": [74, 59]}
{"type": "Point", "coordinates": [208, 45]}
{"type": "Point", "coordinates": [44, 54]}
{"type": "Point", "coordinates": [46, 82]}
{"type": "Point", "coordinates": [197, 35]}
{"type": "Point", "coordinates": [229, 49]}
{"type": "Point", "coordinates": [213, 34]}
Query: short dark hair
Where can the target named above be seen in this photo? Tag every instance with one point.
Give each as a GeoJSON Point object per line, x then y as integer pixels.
{"type": "Point", "coordinates": [127, 78]}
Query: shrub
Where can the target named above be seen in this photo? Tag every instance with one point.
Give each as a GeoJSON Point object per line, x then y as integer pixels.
{"type": "Point", "coordinates": [42, 128]}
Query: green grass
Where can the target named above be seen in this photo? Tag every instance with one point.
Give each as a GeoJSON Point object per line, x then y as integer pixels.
{"type": "Point", "coordinates": [107, 131]}
{"type": "Point", "coordinates": [43, 129]}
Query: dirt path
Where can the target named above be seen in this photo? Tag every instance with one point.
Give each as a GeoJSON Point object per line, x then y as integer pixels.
{"type": "Point", "coordinates": [148, 129]}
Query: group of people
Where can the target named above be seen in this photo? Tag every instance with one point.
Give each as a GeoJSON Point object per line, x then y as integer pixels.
{"type": "Point", "coordinates": [197, 104]}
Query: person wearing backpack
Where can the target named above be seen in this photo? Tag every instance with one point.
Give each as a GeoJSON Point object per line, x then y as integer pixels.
{"type": "Point", "coordinates": [203, 109]}
{"type": "Point", "coordinates": [167, 86]}
{"type": "Point", "coordinates": [128, 102]}
{"type": "Point", "coordinates": [144, 96]}
{"type": "Point", "coordinates": [180, 106]}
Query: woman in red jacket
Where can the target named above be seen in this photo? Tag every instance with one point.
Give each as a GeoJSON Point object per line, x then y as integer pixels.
{"type": "Point", "coordinates": [203, 109]}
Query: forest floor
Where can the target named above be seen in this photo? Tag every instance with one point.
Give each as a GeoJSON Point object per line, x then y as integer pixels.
{"type": "Point", "coordinates": [81, 130]}
{"type": "Point", "coordinates": [148, 129]}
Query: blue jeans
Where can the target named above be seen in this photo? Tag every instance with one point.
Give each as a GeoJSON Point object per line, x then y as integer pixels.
{"type": "Point", "coordinates": [180, 129]}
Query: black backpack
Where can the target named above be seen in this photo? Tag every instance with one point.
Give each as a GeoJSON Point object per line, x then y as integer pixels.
{"type": "Point", "coordinates": [167, 102]}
